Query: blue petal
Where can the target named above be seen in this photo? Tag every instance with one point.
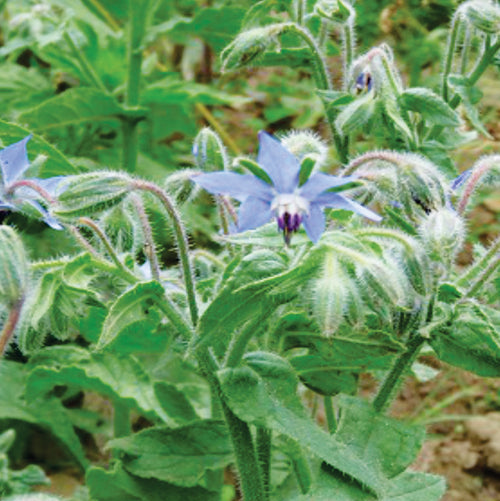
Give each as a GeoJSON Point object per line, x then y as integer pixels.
{"type": "Point", "coordinates": [45, 216]}
{"type": "Point", "coordinates": [336, 201]}
{"type": "Point", "coordinates": [281, 165]}
{"type": "Point", "coordinates": [314, 222]}
{"type": "Point", "coordinates": [239, 186]}
{"type": "Point", "coordinates": [253, 213]}
{"type": "Point", "coordinates": [319, 182]}
{"type": "Point", "coordinates": [14, 161]}
{"type": "Point", "coordinates": [460, 180]}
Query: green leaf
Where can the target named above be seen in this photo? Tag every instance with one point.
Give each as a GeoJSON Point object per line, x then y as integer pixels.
{"type": "Point", "coordinates": [135, 311]}
{"type": "Point", "coordinates": [57, 164]}
{"type": "Point", "coordinates": [182, 456]}
{"type": "Point", "coordinates": [448, 293]}
{"type": "Point", "coordinates": [117, 377]}
{"type": "Point", "coordinates": [431, 106]}
{"type": "Point", "coordinates": [216, 26]}
{"type": "Point", "coordinates": [469, 96]}
{"type": "Point", "coordinates": [235, 306]}
{"type": "Point", "coordinates": [118, 485]}
{"type": "Point", "coordinates": [267, 236]}
{"type": "Point", "coordinates": [173, 90]}
{"type": "Point", "coordinates": [264, 393]}
{"type": "Point", "coordinates": [471, 340]}
{"type": "Point", "coordinates": [40, 410]}
{"type": "Point", "coordinates": [410, 486]}
{"type": "Point", "coordinates": [175, 403]}
{"type": "Point", "coordinates": [74, 106]}
{"type": "Point", "coordinates": [384, 442]}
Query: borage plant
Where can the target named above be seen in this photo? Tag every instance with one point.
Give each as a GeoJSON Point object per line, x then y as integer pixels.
{"type": "Point", "coordinates": [214, 354]}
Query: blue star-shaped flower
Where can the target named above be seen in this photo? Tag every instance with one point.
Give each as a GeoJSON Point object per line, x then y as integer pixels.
{"type": "Point", "coordinates": [291, 204]}
{"type": "Point", "coordinates": [16, 191]}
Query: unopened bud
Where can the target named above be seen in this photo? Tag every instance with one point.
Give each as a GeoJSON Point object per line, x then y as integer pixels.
{"type": "Point", "coordinates": [483, 15]}
{"type": "Point", "coordinates": [338, 11]}
{"type": "Point", "coordinates": [180, 185]}
{"type": "Point", "coordinates": [90, 193]}
{"type": "Point", "coordinates": [209, 151]}
{"type": "Point", "coordinates": [443, 233]}
{"type": "Point", "coordinates": [13, 267]}
{"type": "Point", "coordinates": [306, 144]}
{"type": "Point", "coordinates": [250, 45]}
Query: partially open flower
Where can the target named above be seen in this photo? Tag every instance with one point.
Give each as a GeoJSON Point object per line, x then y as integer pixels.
{"type": "Point", "coordinates": [284, 198]}
{"type": "Point", "coordinates": [24, 194]}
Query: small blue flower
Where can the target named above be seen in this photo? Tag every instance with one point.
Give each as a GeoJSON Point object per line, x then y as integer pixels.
{"type": "Point", "coordinates": [291, 204]}
{"type": "Point", "coordinates": [16, 191]}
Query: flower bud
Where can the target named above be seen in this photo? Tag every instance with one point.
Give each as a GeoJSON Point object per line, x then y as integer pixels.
{"type": "Point", "coordinates": [306, 144]}
{"type": "Point", "coordinates": [209, 151]}
{"type": "Point", "coordinates": [85, 194]}
{"type": "Point", "coordinates": [443, 233]}
{"type": "Point", "coordinates": [483, 15]}
{"type": "Point", "coordinates": [337, 11]}
{"type": "Point", "coordinates": [251, 45]}
{"type": "Point", "coordinates": [13, 267]}
{"type": "Point", "coordinates": [180, 185]}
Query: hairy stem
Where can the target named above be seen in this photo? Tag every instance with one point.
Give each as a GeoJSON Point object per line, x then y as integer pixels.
{"type": "Point", "coordinates": [107, 244]}
{"type": "Point", "coordinates": [264, 442]}
{"type": "Point", "coordinates": [395, 376]}
{"type": "Point", "coordinates": [10, 325]}
{"type": "Point", "coordinates": [149, 247]}
{"type": "Point", "coordinates": [450, 50]}
{"type": "Point", "coordinates": [181, 240]}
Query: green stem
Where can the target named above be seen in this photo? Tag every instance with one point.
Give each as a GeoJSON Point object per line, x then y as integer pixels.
{"type": "Point", "coordinates": [483, 277]}
{"type": "Point", "coordinates": [264, 441]}
{"type": "Point", "coordinates": [394, 377]}
{"type": "Point", "coordinates": [477, 268]}
{"type": "Point", "coordinates": [134, 55]}
{"type": "Point", "coordinates": [348, 46]}
{"type": "Point", "coordinates": [301, 468]}
{"type": "Point", "coordinates": [246, 458]}
{"type": "Point", "coordinates": [301, 9]}
{"type": "Point", "coordinates": [322, 82]}
{"type": "Point", "coordinates": [181, 240]}
{"type": "Point", "coordinates": [149, 247]}
{"type": "Point", "coordinates": [121, 419]}
{"type": "Point", "coordinates": [331, 421]}
{"type": "Point", "coordinates": [107, 244]}
{"type": "Point", "coordinates": [85, 65]}
{"type": "Point", "coordinates": [450, 50]}
{"type": "Point", "coordinates": [239, 342]}
{"type": "Point", "coordinates": [10, 325]}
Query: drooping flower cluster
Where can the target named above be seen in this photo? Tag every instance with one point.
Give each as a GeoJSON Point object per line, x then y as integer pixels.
{"type": "Point", "coordinates": [24, 194]}
{"type": "Point", "coordinates": [284, 198]}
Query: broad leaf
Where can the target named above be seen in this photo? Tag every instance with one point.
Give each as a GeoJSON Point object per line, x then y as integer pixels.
{"type": "Point", "coordinates": [119, 378]}
{"type": "Point", "coordinates": [37, 409]}
{"type": "Point", "coordinates": [182, 456]}
{"type": "Point", "coordinates": [175, 403]}
{"type": "Point", "coordinates": [134, 321]}
{"type": "Point", "coordinates": [471, 340]}
{"type": "Point", "coordinates": [431, 106]}
{"type": "Point", "coordinates": [118, 485]}
{"type": "Point", "coordinates": [75, 106]}
{"type": "Point", "coordinates": [264, 394]}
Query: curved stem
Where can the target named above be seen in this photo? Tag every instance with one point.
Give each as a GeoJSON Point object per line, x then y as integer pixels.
{"type": "Point", "coordinates": [394, 377]}
{"type": "Point", "coordinates": [10, 325]}
{"type": "Point", "coordinates": [181, 240]}
{"type": "Point", "coordinates": [149, 247]}
{"type": "Point", "coordinates": [107, 244]}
